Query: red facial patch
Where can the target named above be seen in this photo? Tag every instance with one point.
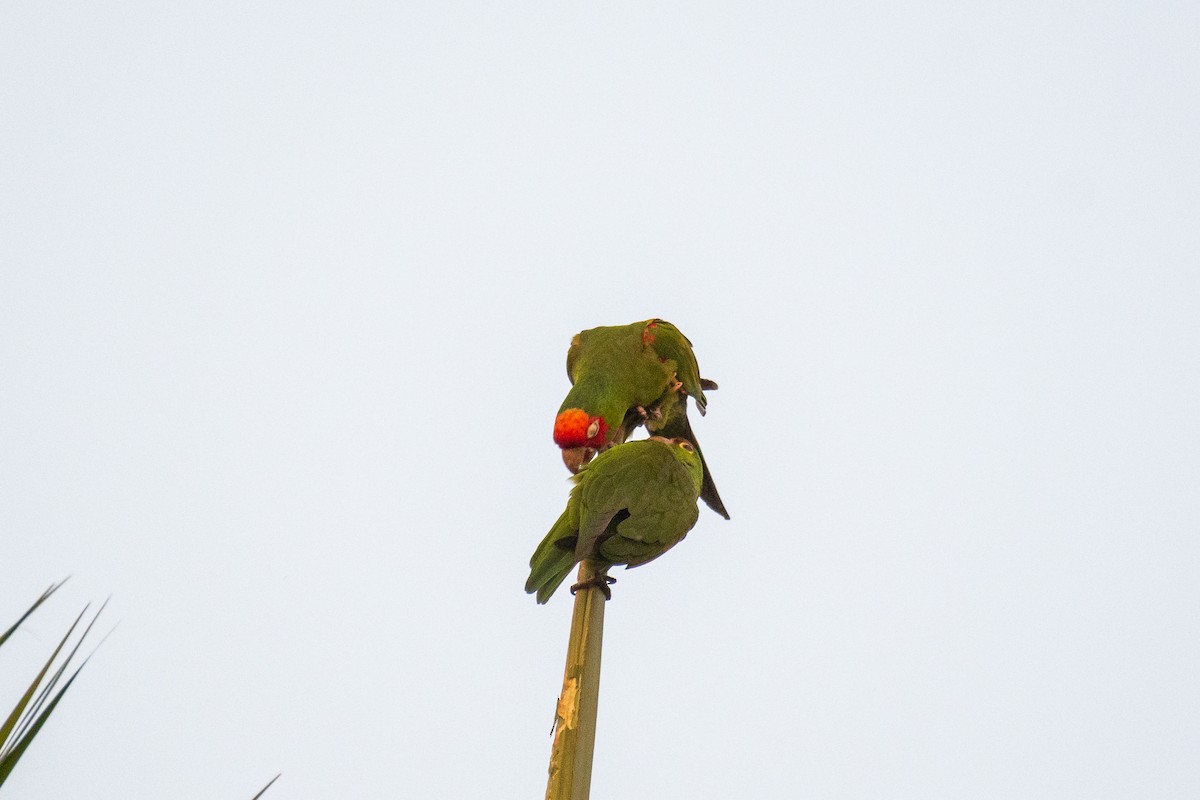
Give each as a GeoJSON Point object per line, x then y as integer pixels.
{"type": "Point", "coordinates": [571, 429]}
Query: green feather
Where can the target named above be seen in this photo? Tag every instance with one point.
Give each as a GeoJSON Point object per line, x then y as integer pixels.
{"type": "Point", "coordinates": [612, 371]}
{"type": "Point", "coordinates": [555, 556]}
{"type": "Point", "coordinates": [629, 506]}
{"type": "Point", "coordinates": [670, 343]}
{"type": "Point", "coordinates": [615, 370]}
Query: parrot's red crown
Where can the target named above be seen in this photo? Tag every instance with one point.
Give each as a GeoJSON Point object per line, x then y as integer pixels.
{"type": "Point", "coordinates": [574, 428]}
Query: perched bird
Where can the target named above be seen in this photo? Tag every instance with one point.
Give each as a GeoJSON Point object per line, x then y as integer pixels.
{"type": "Point", "coordinates": [623, 376]}
{"type": "Point", "coordinates": [630, 505]}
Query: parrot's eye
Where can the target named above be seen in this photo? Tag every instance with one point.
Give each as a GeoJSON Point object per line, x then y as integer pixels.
{"type": "Point", "coordinates": [686, 446]}
{"type": "Point", "coordinates": [593, 429]}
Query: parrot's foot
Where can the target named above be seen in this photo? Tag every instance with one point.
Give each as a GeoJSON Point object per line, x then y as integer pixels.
{"type": "Point", "coordinates": [654, 413]}
{"type": "Point", "coordinates": [601, 582]}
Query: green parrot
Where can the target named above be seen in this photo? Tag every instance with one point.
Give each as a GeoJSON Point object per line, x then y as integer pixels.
{"type": "Point", "coordinates": [629, 506]}
{"type": "Point", "coordinates": [623, 376]}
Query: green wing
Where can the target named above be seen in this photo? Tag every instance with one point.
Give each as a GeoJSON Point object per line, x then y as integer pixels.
{"type": "Point", "coordinates": [555, 556]}
{"type": "Point", "coordinates": [670, 344]}
{"type": "Point", "coordinates": [630, 505]}
{"type": "Point", "coordinates": [612, 371]}
{"type": "Point", "coordinates": [642, 503]}
{"type": "Point", "coordinates": [612, 484]}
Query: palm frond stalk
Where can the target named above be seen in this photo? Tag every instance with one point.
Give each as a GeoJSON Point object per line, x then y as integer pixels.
{"type": "Point", "coordinates": [575, 720]}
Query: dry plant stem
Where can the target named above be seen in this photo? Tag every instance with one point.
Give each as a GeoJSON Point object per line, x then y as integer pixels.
{"type": "Point", "coordinates": [575, 723]}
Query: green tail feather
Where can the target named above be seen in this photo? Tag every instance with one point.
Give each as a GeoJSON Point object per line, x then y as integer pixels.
{"type": "Point", "coordinates": [553, 559]}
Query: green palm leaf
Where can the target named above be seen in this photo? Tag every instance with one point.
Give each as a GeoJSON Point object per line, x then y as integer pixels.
{"type": "Point", "coordinates": [263, 790]}
{"type": "Point", "coordinates": [41, 698]}
{"type": "Point", "coordinates": [53, 588]}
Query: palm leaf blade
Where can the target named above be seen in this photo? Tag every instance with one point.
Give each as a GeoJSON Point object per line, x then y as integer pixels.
{"type": "Point", "coordinates": [45, 691]}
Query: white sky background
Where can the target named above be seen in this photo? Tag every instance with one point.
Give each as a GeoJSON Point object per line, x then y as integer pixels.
{"type": "Point", "coordinates": [285, 297]}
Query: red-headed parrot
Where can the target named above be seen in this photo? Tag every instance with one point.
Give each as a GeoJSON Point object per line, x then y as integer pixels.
{"type": "Point", "coordinates": [633, 503]}
{"type": "Point", "coordinates": [623, 376]}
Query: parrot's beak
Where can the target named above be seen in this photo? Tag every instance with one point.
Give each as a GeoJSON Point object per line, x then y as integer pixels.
{"type": "Point", "coordinates": [576, 457]}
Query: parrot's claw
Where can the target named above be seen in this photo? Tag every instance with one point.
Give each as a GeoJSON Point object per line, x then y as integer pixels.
{"type": "Point", "coordinates": [601, 582]}
{"type": "Point", "coordinates": [654, 413]}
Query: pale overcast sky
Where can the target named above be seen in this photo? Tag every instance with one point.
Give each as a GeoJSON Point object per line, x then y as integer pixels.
{"type": "Point", "coordinates": [285, 296]}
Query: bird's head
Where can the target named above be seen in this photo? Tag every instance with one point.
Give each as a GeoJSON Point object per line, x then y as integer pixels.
{"type": "Point", "coordinates": [579, 435]}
